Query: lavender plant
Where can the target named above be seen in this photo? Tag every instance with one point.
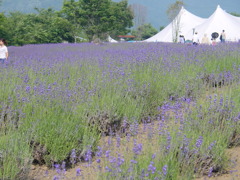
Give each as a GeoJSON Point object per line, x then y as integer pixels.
{"type": "Point", "coordinates": [57, 98]}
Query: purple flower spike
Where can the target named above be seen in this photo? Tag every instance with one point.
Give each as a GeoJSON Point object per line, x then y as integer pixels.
{"type": "Point", "coordinates": [199, 142]}
{"type": "Point", "coordinates": [55, 178]}
{"type": "Point", "coordinates": [210, 172]}
{"type": "Point", "coordinates": [78, 172]}
{"type": "Point", "coordinates": [152, 168]}
{"type": "Point", "coordinates": [164, 170]}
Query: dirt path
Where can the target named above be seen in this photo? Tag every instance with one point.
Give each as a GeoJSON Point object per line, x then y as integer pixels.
{"type": "Point", "coordinates": [234, 167]}
{"type": "Point", "coordinates": [89, 173]}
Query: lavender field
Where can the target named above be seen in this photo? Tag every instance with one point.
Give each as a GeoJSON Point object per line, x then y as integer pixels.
{"type": "Point", "coordinates": [126, 111]}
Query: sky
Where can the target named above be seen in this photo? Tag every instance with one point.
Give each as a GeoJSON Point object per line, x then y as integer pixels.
{"type": "Point", "coordinates": [203, 8]}
{"type": "Point", "coordinates": [156, 9]}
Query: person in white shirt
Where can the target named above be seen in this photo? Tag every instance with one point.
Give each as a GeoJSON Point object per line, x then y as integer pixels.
{"type": "Point", "coordinates": [223, 36]}
{"type": "Point", "coordinates": [181, 39]}
{"type": "Point", "coordinates": [195, 39]}
{"type": "Point", "coordinates": [3, 51]}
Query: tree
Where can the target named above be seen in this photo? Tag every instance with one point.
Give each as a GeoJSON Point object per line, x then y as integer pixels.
{"type": "Point", "coordinates": [161, 28]}
{"type": "Point", "coordinates": [44, 27]}
{"type": "Point", "coordinates": [144, 32]}
{"type": "Point", "coordinates": [172, 13]}
{"type": "Point", "coordinates": [58, 28]}
{"type": "Point", "coordinates": [122, 18]}
{"type": "Point", "coordinates": [98, 18]}
{"type": "Point", "coordinates": [140, 14]}
{"type": "Point", "coordinates": [235, 14]}
{"type": "Point", "coordinates": [3, 32]}
{"type": "Point", "coordinates": [95, 17]}
{"type": "Point", "coordinates": [71, 12]}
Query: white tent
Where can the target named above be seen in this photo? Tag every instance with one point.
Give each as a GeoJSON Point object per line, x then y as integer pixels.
{"type": "Point", "coordinates": [111, 40]}
{"type": "Point", "coordinates": [183, 23]}
{"type": "Point", "coordinates": [218, 21]}
{"type": "Point", "coordinates": [238, 18]}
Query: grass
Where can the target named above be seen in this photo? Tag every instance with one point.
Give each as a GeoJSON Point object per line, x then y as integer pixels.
{"type": "Point", "coordinates": [67, 96]}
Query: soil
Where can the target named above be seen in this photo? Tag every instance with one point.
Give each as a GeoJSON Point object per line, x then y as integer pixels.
{"type": "Point", "coordinates": [234, 167]}
{"type": "Point", "coordinates": [39, 172]}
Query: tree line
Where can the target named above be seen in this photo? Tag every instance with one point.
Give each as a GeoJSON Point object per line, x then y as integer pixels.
{"type": "Point", "coordinates": [80, 20]}
{"type": "Point", "coordinates": [77, 20]}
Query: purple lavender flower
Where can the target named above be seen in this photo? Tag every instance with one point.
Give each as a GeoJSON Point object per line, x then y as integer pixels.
{"type": "Point", "coordinates": [168, 145]}
{"type": "Point", "coordinates": [99, 152]}
{"type": "Point", "coordinates": [57, 168]}
{"type": "Point", "coordinates": [120, 160]}
{"type": "Point", "coordinates": [118, 141]}
{"type": "Point", "coordinates": [73, 157]}
{"type": "Point", "coordinates": [56, 178]}
{"type": "Point", "coordinates": [199, 142]}
{"type": "Point", "coordinates": [28, 89]}
{"type": "Point", "coordinates": [165, 170]}
{"type": "Point", "coordinates": [46, 173]}
{"type": "Point", "coordinates": [137, 149]}
{"type": "Point", "coordinates": [212, 145]}
{"type": "Point", "coordinates": [210, 172]}
{"type": "Point", "coordinates": [133, 161]}
{"type": "Point", "coordinates": [108, 169]}
{"type": "Point", "coordinates": [98, 160]}
{"type": "Point", "coordinates": [88, 155]}
{"type": "Point", "coordinates": [152, 168]}
{"type": "Point", "coordinates": [107, 154]}
{"type": "Point", "coordinates": [154, 156]}
{"type": "Point", "coordinates": [63, 167]}
{"type": "Point", "coordinates": [78, 172]}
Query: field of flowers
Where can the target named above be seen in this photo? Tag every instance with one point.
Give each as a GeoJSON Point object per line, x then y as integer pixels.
{"type": "Point", "coordinates": [166, 111]}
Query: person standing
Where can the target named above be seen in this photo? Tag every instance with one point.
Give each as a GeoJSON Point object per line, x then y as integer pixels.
{"type": "Point", "coordinates": [205, 40]}
{"type": "Point", "coordinates": [195, 39]}
{"type": "Point", "coordinates": [3, 51]}
{"type": "Point", "coordinates": [181, 39]}
{"type": "Point", "coordinates": [223, 37]}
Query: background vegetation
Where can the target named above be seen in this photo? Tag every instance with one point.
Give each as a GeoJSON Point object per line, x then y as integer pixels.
{"type": "Point", "coordinates": [84, 20]}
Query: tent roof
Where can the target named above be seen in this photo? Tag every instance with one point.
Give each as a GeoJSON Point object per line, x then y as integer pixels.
{"type": "Point", "coordinates": [187, 22]}
{"type": "Point", "coordinates": [111, 40]}
{"type": "Point", "coordinates": [218, 21]}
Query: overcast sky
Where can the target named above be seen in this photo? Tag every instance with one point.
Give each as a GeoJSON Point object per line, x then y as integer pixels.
{"type": "Point", "coordinates": [203, 8]}
{"type": "Point", "coordinates": [156, 8]}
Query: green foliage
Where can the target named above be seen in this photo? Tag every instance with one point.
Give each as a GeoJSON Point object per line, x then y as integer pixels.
{"type": "Point", "coordinates": [172, 13]}
{"type": "Point", "coordinates": [235, 14]}
{"type": "Point", "coordinates": [144, 32]}
{"type": "Point", "coordinates": [71, 12]}
{"type": "Point", "coordinates": [123, 18]}
{"type": "Point", "coordinates": [15, 155]}
{"type": "Point", "coordinates": [174, 9]}
{"type": "Point", "coordinates": [44, 27]}
{"type": "Point", "coordinates": [98, 18]}
{"type": "Point", "coordinates": [161, 28]}
{"type": "Point", "coordinates": [2, 25]}
{"type": "Point", "coordinates": [95, 17]}
{"type": "Point", "coordinates": [81, 19]}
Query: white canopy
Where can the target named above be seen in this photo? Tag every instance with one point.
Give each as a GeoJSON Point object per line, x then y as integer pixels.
{"type": "Point", "coordinates": [111, 40]}
{"type": "Point", "coordinates": [238, 18]}
{"type": "Point", "coordinates": [217, 22]}
{"type": "Point", "coordinates": [185, 20]}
